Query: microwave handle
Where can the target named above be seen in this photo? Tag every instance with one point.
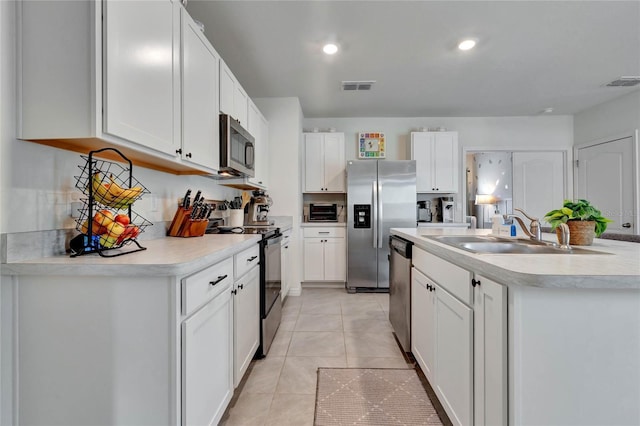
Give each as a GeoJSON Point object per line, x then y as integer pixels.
{"type": "Point", "coordinates": [249, 152]}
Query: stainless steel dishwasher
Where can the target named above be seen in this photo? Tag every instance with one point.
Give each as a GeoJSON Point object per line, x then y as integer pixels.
{"type": "Point", "coordinates": [400, 289]}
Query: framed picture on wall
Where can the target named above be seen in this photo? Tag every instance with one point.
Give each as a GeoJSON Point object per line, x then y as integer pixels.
{"type": "Point", "coordinates": [371, 145]}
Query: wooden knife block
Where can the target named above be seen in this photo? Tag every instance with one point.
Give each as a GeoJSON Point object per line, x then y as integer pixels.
{"type": "Point", "coordinates": [183, 226]}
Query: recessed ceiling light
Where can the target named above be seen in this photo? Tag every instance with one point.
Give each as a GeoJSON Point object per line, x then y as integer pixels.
{"type": "Point", "coordinates": [330, 48]}
{"type": "Point", "coordinates": [548, 110]}
{"type": "Point", "coordinates": [467, 44]}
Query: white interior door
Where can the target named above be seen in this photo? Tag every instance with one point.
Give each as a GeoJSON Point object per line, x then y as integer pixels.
{"type": "Point", "coordinates": [538, 182]}
{"type": "Point", "coordinates": [605, 176]}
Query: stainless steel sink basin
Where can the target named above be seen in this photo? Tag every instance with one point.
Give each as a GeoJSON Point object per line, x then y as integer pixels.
{"type": "Point", "coordinates": [499, 245]}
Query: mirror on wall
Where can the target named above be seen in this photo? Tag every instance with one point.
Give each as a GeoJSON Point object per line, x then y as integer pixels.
{"type": "Point", "coordinates": [489, 185]}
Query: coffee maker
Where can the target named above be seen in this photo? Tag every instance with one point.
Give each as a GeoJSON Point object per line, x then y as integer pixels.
{"type": "Point", "coordinates": [423, 212]}
{"type": "Point", "coordinates": [446, 209]}
{"type": "Point", "coordinates": [258, 209]}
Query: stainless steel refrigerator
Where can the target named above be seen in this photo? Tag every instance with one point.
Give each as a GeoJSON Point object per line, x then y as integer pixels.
{"type": "Point", "coordinates": [381, 194]}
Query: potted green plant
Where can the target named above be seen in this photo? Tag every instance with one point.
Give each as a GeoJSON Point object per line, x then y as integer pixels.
{"type": "Point", "coordinates": [583, 219]}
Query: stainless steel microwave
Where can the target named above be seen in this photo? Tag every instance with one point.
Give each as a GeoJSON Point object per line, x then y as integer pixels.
{"type": "Point", "coordinates": [237, 149]}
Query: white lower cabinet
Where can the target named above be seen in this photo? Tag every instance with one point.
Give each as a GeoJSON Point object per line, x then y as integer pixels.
{"type": "Point", "coordinates": [459, 339]}
{"type": "Point", "coordinates": [490, 350]}
{"type": "Point", "coordinates": [423, 322]}
{"type": "Point", "coordinates": [325, 254]}
{"type": "Point", "coordinates": [454, 357]}
{"type": "Point", "coordinates": [285, 262]}
{"type": "Point", "coordinates": [246, 322]}
{"type": "Point", "coordinates": [207, 380]}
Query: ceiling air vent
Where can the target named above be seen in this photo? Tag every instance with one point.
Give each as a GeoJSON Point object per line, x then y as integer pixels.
{"type": "Point", "coordinates": [625, 81]}
{"type": "Point", "coordinates": [357, 85]}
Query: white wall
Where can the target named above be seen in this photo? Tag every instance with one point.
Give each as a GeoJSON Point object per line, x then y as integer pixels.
{"type": "Point", "coordinates": [619, 117]}
{"type": "Point", "coordinates": [285, 142]}
{"type": "Point", "coordinates": [474, 134]}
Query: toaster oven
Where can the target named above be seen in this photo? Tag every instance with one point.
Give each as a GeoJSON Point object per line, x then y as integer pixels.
{"type": "Point", "coordinates": [323, 212]}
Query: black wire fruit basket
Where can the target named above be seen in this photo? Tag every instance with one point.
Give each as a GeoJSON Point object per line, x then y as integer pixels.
{"type": "Point", "coordinates": [107, 221]}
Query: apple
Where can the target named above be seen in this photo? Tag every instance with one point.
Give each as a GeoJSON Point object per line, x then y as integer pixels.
{"type": "Point", "coordinates": [128, 231]}
{"type": "Point", "coordinates": [103, 217]}
{"type": "Point", "coordinates": [115, 229]}
{"type": "Point", "coordinates": [85, 227]}
{"type": "Point", "coordinates": [98, 229]}
{"type": "Point", "coordinates": [107, 241]}
{"type": "Point", "coordinates": [123, 219]}
{"type": "Point", "coordinates": [135, 232]}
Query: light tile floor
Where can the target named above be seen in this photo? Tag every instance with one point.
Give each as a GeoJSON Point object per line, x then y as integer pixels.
{"type": "Point", "coordinates": [321, 328]}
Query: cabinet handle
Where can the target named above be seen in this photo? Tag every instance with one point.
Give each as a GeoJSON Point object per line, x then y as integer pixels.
{"type": "Point", "coordinates": [220, 278]}
{"type": "Point", "coordinates": [240, 286]}
{"type": "Point", "coordinates": [179, 151]}
{"type": "Point", "coordinates": [234, 291]}
{"type": "Point", "coordinates": [188, 155]}
{"type": "Point", "coordinates": [286, 247]}
{"type": "Point", "coordinates": [324, 232]}
{"type": "Point", "coordinates": [252, 258]}
{"type": "Point", "coordinates": [260, 182]}
{"type": "Point", "coordinates": [475, 282]}
{"type": "Point", "coordinates": [626, 225]}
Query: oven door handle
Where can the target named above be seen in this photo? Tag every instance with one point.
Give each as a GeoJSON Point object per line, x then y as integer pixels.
{"type": "Point", "coordinates": [274, 240]}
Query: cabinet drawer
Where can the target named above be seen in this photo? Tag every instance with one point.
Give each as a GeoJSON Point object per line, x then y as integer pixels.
{"type": "Point", "coordinates": [452, 278]}
{"type": "Point", "coordinates": [246, 260]}
{"type": "Point", "coordinates": [335, 232]}
{"type": "Point", "coordinates": [200, 287]}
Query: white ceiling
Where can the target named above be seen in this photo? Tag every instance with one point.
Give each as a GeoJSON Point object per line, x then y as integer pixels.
{"type": "Point", "coordinates": [530, 54]}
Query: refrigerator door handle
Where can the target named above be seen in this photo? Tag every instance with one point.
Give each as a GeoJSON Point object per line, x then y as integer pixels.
{"type": "Point", "coordinates": [374, 219]}
{"type": "Point", "coordinates": [380, 219]}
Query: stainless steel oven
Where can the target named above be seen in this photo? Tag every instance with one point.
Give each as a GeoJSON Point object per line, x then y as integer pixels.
{"type": "Point", "coordinates": [270, 287]}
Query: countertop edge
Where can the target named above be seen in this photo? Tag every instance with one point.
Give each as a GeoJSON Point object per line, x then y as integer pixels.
{"type": "Point", "coordinates": [56, 266]}
{"type": "Point", "coordinates": [477, 264]}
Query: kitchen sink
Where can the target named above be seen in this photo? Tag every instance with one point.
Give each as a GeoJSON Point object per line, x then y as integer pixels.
{"type": "Point", "coordinates": [499, 245]}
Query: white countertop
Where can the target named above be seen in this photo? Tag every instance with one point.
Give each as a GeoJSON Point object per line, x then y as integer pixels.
{"type": "Point", "coordinates": [620, 269]}
{"type": "Point", "coordinates": [164, 256]}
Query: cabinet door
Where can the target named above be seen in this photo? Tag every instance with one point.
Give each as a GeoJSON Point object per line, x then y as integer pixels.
{"type": "Point", "coordinates": [490, 349]}
{"type": "Point", "coordinates": [264, 141]}
{"type": "Point", "coordinates": [240, 105]}
{"type": "Point", "coordinates": [200, 139]}
{"type": "Point", "coordinates": [334, 162]}
{"type": "Point", "coordinates": [313, 162]}
{"type": "Point", "coordinates": [207, 362]}
{"type": "Point", "coordinates": [261, 155]}
{"type": "Point", "coordinates": [454, 357]}
{"type": "Point", "coordinates": [246, 322]}
{"type": "Point", "coordinates": [423, 323]}
{"type": "Point", "coordinates": [538, 181]}
{"type": "Point", "coordinates": [421, 153]}
{"type": "Point", "coordinates": [445, 161]}
{"type": "Point", "coordinates": [284, 263]}
{"type": "Point", "coordinates": [227, 89]}
{"type": "Point", "coordinates": [142, 72]}
{"type": "Point", "coordinates": [335, 256]}
{"type": "Point", "coordinates": [313, 259]}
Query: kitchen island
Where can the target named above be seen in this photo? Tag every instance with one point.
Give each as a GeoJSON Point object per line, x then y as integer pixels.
{"type": "Point", "coordinates": [159, 336]}
{"type": "Point", "coordinates": [549, 339]}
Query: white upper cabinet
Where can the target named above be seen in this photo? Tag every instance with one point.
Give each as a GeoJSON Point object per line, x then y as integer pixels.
{"type": "Point", "coordinates": [233, 98]}
{"type": "Point", "coordinates": [436, 155]}
{"type": "Point", "coordinates": [324, 162]}
{"type": "Point", "coordinates": [259, 129]}
{"type": "Point", "coordinates": [201, 136]}
{"type": "Point", "coordinates": [141, 72]}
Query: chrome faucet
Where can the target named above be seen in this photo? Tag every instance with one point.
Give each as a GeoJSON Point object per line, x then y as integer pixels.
{"type": "Point", "coordinates": [534, 232]}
